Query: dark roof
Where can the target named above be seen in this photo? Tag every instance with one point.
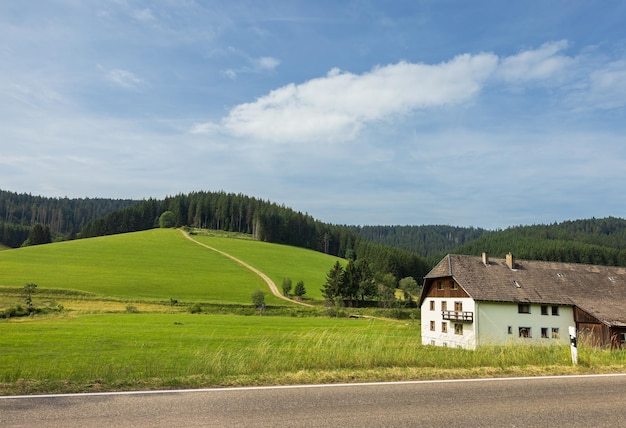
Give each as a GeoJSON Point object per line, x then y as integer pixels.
{"type": "Point", "coordinates": [598, 290]}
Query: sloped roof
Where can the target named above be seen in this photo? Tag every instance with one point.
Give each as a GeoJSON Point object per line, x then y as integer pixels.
{"type": "Point", "coordinates": [598, 290]}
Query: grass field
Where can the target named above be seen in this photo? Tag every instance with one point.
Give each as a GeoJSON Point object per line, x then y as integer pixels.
{"type": "Point", "coordinates": [145, 351]}
{"type": "Point", "coordinates": [159, 264]}
{"type": "Point", "coordinates": [279, 261]}
{"type": "Point", "coordinates": [102, 343]}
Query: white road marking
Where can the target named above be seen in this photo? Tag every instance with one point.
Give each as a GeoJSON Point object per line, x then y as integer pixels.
{"type": "Point", "coordinates": [329, 385]}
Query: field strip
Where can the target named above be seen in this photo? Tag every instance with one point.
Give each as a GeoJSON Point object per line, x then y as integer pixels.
{"type": "Point", "coordinates": [265, 278]}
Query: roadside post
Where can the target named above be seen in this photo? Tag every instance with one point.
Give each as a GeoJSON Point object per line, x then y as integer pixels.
{"type": "Point", "coordinates": [573, 344]}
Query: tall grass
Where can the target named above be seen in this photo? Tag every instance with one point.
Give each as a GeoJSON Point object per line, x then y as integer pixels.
{"type": "Point", "coordinates": [183, 350]}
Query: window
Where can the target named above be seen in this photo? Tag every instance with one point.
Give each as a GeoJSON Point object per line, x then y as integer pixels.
{"type": "Point", "coordinates": [622, 338]}
{"type": "Point", "coordinates": [510, 329]}
{"type": "Point", "coordinates": [432, 305]}
{"type": "Point", "coordinates": [525, 332]}
{"type": "Point", "coordinates": [523, 308]}
{"type": "Point", "coordinates": [555, 332]}
{"type": "Point", "coordinates": [439, 285]}
{"type": "Point", "coordinates": [458, 329]}
{"type": "Point", "coordinates": [432, 326]}
{"type": "Point", "coordinates": [544, 310]}
{"type": "Point", "coordinates": [444, 305]}
{"type": "Point", "coordinates": [444, 327]}
{"type": "Point", "coordinates": [555, 310]}
{"type": "Point", "coordinates": [432, 342]}
{"type": "Point", "coordinates": [458, 306]}
{"type": "Point", "coordinates": [445, 345]}
{"type": "Point", "coordinates": [454, 285]}
{"type": "Point", "coordinates": [544, 332]}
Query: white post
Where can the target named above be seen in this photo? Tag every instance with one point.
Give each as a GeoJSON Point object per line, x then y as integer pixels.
{"type": "Point", "coordinates": [573, 344]}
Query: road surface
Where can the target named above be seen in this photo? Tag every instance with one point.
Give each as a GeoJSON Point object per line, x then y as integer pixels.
{"type": "Point", "coordinates": [573, 401]}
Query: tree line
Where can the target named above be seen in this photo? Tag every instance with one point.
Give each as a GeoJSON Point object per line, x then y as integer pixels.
{"type": "Point", "coordinates": [20, 212]}
{"type": "Point", "coordinates": [590, 241]}
{"type": "Point", "coordinates": [427, 241]}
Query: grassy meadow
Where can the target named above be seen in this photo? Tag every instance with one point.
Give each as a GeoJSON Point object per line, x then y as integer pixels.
{"type": "Point", "coordinates": [278, 261]}
{"type": "Point", "coordinates": [118, 330]}
{"type": "Point", "coordinates": [94, 352]}
{"type": "Point", "coordinates": [158, 264]}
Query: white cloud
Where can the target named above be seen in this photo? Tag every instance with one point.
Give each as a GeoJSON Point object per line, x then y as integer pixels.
{"type": "Point", "coordinates": [204, 128]}
{"type": "Point", "coordinates": [535, 64]}
{"type": "Point", "coordinates": [336, 106]}
{"type": "Point", "coordinates": [266, 63]}
{"type": "Point", "coordinates": [124, 79]}
{"type": "Point", "coordinates": [256, 65]}
{"type": "Point", "coordinates": [606, 87]}
{"type": "Point", "coordinates": [144, 15]}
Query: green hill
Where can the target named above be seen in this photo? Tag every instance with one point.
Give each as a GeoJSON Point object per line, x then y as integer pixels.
{"type": "Point", "coordinates": [160, 264]}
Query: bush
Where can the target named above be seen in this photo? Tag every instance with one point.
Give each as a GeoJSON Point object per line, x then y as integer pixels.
{"type": "Point", "coordinates": [196, 308]}
{"type": "Point", "coordinates": [167, 219]}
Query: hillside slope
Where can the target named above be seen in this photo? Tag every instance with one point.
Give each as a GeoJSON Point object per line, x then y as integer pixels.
{"type": "Point", "coordinates": [157, 264]}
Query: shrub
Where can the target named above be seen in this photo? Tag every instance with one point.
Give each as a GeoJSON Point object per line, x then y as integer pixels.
{"type": "Point", "coordinates": [167, 219]}
{"type": "Point", "coordinates": [196, 308]}
{"type": "Point", "coordinates": [15, 311]}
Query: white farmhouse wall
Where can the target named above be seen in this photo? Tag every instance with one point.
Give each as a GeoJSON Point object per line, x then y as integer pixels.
{"type": "Point", "coordinates": [450, 338]}
{"type": "Point", "coordinates": [499, 323]}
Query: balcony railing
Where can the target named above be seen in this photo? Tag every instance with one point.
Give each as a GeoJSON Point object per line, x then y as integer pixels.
{"type": "Point", "coordinates": [462, 316]}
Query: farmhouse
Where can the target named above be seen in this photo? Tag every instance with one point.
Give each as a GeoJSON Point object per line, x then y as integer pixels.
{"type": "Point", "coordinates": [467, 301]}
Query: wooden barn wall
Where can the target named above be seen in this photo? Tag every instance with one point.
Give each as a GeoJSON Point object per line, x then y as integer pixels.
{"type": "Point", "coordinates": [433, 290]}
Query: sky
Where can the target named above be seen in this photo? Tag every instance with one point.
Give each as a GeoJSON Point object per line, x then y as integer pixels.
{"type": "Point", "coordinates": [467, 113]}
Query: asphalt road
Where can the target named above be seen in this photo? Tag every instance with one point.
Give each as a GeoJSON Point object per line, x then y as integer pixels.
{"type": "Point", "coordinates": [525, 402]}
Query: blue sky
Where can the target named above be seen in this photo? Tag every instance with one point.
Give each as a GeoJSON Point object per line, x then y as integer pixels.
{"type": "Point", "coordinates": [469, 113]}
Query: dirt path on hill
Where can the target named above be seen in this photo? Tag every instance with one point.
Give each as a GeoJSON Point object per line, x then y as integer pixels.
{"type": "Point", "coordinates": [265, 278]}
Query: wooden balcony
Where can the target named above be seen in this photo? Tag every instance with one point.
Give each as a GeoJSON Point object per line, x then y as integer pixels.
{"type": "Point", "coordinates": [463, 316]}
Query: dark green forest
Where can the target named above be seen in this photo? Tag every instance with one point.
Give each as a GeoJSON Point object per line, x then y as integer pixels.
{"type": "Point", "coordinates": [20, 212]}
{"type": "Point", "coordinates": [427, 241]}
{"type": "Point", "coordinates": [591, 241]}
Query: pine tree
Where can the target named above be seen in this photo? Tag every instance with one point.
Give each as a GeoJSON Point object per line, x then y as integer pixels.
{"type": "Point", "coordinates": [299, 291]}
{"type": "Point", "coordinates": [334, 282]}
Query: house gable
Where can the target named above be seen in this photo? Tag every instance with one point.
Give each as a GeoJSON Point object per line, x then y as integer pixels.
{"type": "Point", "coordinates": [444, 287]}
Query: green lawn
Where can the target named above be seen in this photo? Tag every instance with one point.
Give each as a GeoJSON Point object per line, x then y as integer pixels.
{"type": "Point", "coordinates": [156, 264]}
{"type": "Point", "coordinates": [279, 261]}
{"type": "Point", "coordinates": [115, 349]}
{"type": "Point", "coordinates": [144, 351]}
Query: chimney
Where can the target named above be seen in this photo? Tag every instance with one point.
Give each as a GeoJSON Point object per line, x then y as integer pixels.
{"type": "Point", "coordinates": [510, 261]}
{"type": "Point", "coordinates": [485, 258]}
